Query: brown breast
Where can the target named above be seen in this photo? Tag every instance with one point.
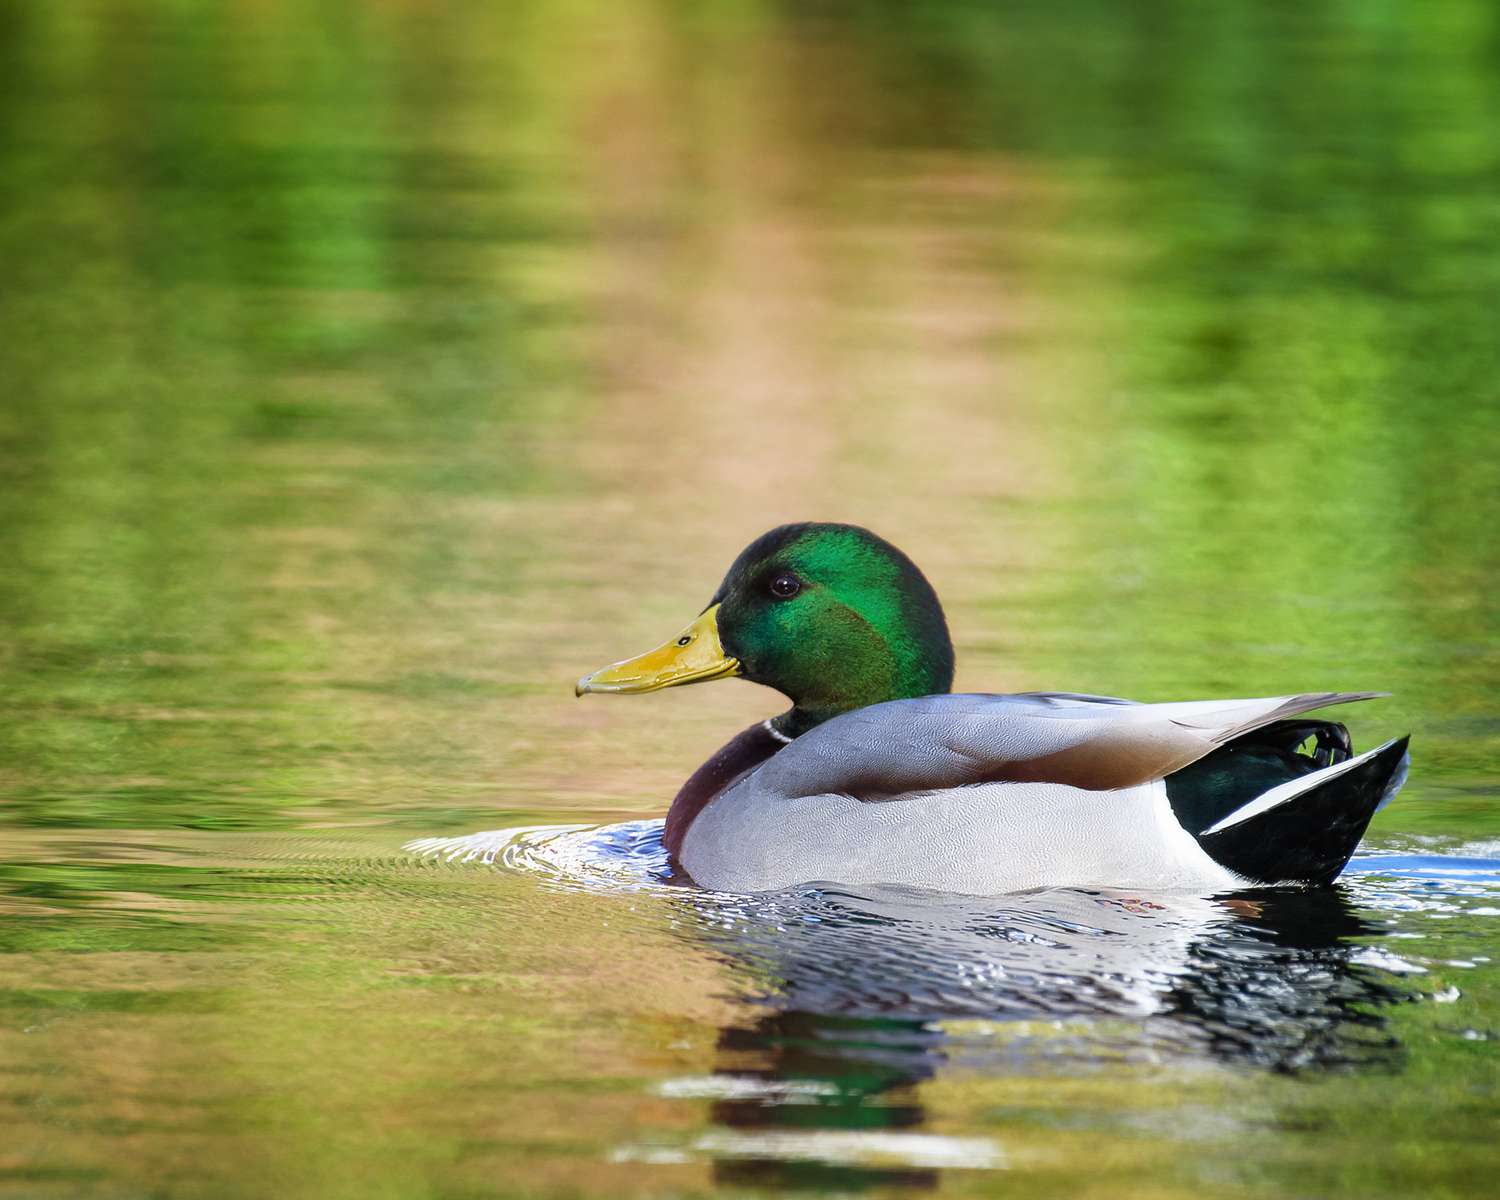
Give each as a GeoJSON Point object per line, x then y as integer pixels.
{"type": "Point", "coordinates": [742, 753]}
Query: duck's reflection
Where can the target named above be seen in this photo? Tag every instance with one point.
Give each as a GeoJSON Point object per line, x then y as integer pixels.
{"type": "Point", "coordinates": [870, 993]}
{"type": "Point", "coordinates": [1282, 987]}
{"type": "Point", "coordinates": [829, 1083]}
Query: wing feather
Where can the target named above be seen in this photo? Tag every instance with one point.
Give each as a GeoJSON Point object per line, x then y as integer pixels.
{"type": "Point", "coordinates": [906, 747]}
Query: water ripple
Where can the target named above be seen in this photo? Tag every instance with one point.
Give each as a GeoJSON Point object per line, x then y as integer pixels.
{"type": "Point", "coordinates": [1284, 978]}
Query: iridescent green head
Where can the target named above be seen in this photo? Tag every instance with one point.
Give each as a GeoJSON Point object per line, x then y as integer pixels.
{"type": "Point", "coordinates": [834, 618]}
{"type": "Point", "coordinates": [831, 616]}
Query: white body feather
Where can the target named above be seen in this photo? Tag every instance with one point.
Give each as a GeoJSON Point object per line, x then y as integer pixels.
{"type": "Point", "coordinates": [980, 840]}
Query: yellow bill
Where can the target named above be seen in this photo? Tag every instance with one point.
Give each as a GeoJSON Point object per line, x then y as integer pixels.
{"type": "Point", "coordinates": [691, 657]}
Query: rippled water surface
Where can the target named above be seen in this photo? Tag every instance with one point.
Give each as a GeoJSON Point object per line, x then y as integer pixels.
{"type": "Point", "coordinates": [371, 371]}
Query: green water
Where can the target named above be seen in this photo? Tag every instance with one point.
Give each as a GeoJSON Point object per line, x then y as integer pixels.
{"type": "Point", "coordinates": [371, 371]}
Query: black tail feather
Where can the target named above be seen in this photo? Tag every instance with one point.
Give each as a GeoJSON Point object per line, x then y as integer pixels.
{"type": "Point", "coordinates": [1208, 790]}
{"type": "Point", "coordinates": [1309, 838]}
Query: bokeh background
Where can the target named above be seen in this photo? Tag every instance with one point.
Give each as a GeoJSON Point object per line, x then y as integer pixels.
{"type": "Point", "coordinates": [370, 371]}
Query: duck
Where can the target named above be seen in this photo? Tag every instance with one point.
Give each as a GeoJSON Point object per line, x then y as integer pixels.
{"type": "Point", "coordinates": [879, 774]}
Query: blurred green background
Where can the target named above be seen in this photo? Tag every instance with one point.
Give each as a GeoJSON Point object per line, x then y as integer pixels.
{"type": "Point", "coordinates": [372, 370]}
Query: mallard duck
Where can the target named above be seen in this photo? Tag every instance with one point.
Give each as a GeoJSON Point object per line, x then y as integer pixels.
{"type": "Point", "coordinates": [877, 774]}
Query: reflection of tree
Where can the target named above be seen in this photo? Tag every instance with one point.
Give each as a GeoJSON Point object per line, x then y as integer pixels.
{"type": "Point", "coordinates": [264, 349]}
{"type": "Point", "coordinates": [291, 289]}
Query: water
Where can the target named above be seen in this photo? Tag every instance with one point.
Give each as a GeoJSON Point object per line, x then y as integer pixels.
{"type": "Point", "coordinates": [371, 371]}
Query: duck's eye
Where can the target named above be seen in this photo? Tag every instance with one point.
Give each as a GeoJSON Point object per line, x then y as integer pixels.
{"type": "Point", "coordinates": [784, 587]}
{"type": "Point", "coordinates": [685, 639]}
